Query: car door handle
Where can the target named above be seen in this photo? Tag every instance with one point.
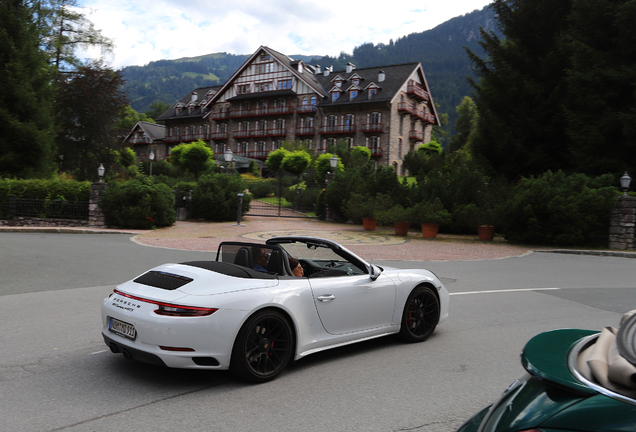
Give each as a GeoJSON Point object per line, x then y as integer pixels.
{"type": "Point", "coordinates": [326, 298]}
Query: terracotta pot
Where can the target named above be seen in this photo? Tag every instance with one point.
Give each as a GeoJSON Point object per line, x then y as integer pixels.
{"type": "Point", "coordinates": [369, 224]}
{"type": "Point", "coordinates": [429, 230]}
{"type": "Point", "coordinates": [401, 228]}
{"type": "Point", "coordinates": [486, 232]}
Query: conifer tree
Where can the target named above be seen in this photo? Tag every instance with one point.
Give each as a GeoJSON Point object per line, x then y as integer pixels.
{"type": "Point", "coordinates": [26, 123]}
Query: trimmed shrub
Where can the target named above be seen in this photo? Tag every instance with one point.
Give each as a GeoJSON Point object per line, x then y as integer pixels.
{"type": "Point", "coordinates": [561, 210]}
{"type": "Point", "coordinates": [215, 197]}
{"type": "Point", "coordinates": [56, 188]}
{"type": "Point", "coordinates": [139, 204]}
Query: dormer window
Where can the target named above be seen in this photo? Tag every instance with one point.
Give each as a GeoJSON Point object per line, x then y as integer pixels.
{"type": "Point", "coordinates": [353, 93]}
{"type": "Point", "coordinates": [334, 96]}
{"type": "Point", "coordinates": [264, 57]}
{"type": "Point", "coordinates": [355, 81]}
{"type": "Point", "coordinates": [372, 91]}
{"type": "Point", "coordinates": [338, 83]}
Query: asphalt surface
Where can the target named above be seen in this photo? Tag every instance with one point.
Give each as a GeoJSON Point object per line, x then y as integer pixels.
{"type": "Point", "coordinates": [56, 374]}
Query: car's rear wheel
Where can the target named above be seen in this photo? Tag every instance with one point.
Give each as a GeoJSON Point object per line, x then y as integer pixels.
{"type": "Point", "coordinates": [263, 346]}
{"type": "Point", "coordinates": [420, 316]}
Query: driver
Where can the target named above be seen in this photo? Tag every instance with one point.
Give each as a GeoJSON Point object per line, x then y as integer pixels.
{"type": "Point", "coordinates": [297, 269]}
{"type": "Point", "coordinates": [260, 259]}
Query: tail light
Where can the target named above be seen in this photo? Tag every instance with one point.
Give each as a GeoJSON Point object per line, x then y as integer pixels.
{"type": "Point", "coordinates": [172, 309]}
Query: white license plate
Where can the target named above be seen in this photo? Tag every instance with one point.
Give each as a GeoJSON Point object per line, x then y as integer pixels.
{"type": "Point", "coordinates": [122, 329]}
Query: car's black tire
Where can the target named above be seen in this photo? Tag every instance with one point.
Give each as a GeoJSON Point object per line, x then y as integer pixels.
{"type": "Point", "coordinates": [420, 315]}
{"type": "Point", "coordinates": [263, 347]}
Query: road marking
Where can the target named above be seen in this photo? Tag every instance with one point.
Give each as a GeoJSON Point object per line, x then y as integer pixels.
{"type": "Point", "coordinates": [501, 291]}
{"type": "Point", "coordinates": [98, 352]}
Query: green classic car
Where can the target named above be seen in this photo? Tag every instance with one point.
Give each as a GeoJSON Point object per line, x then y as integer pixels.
{"type": "Point", "coordinates": [577, 380]}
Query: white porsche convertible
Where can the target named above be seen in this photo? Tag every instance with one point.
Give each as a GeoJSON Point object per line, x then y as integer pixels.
{"type": "Point", "coordinates": [251, 312]}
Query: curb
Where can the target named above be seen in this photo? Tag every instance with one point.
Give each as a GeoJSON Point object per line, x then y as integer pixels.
{"type": "Point", "coordinates": [591, 252]}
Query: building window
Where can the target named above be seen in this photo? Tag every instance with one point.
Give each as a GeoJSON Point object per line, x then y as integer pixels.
{"type": "Point", "coordinates": [372, 91]}
{"type": "Point", "coordinates": [400, 148]}
{"type": "Point", "coordinates": [401, 125]}
{"type": "Point", "coordinates": [356, 81]}
{"type": "Point", "coordinates": [332, 121]}
{"type": "Point", "coordinates": [334, 96]}
{"type": "Point", "coordinates": [263, 87]}
{"type": "Point", "coordinates": [353, 93]}
{"type": "Point", "coordinates": [348, 122]}
{"type": "Point", "coordinates": [264, 57]}
{"type": "Point", "coordinates": [244, 148]}
{"type": "Point", "coordinates": [308, 122]}
{"type": "Point", "coordinates": [309, 144]}
{"type": "Point", "coordinates": [338, 83]}
{"type": "Point", "coordinates": [313, 101]}
{"type": "Point", "coordinates": [349, 142]}
{"type": "Point", "coordinates": [264, 68]}
{"type": "Point", "coordinates": [243, 89]}
{"type": "Point", "coordinates": [284, 84]}
{"type": "Point", "coordinates": [375, 118]}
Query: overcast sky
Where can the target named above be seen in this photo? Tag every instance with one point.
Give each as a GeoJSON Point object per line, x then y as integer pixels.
{"type": "Point", "coordinates": [148, 30]}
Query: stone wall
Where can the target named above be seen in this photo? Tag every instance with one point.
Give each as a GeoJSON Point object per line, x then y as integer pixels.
{"type": "Point", "coordinates": [43, 222]}
{"type": "Point", "coordinates": [623, 224]}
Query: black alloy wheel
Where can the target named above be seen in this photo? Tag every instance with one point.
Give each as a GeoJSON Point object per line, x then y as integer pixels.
{"type": "Point", "coordinates": [420, 316]}
{"type": "Point", "coordinates": [263, 347]}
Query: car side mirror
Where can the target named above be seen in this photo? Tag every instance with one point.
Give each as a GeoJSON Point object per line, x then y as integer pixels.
{"type": "Point", "coordinates": [374, 272]}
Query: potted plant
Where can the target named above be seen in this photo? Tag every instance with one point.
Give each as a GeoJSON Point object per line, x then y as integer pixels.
{"type": "Point", "coordinates": [486, 224]}
{"type": "Point", "coordinates": [398, 216]}
{"type": "Point", "coordinates": [431, 215]}
{"type": "Point", "coordinates": [362, 207]}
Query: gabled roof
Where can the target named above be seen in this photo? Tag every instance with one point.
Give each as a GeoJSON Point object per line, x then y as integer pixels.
{"type": "Point", "coordinates": [199, 106]}
{"type": "Point", "coordinates": [288, 62]}
{"type": "Point", "coordinates": [395, 76]}
{"type": "Point", "coordinates": [155, 132]}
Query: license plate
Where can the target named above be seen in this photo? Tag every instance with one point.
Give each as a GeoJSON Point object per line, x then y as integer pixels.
{"type": "Point", "coordinates": [122, 329]}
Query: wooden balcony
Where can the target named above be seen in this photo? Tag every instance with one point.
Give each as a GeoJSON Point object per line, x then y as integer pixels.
{"type": "Point", "coordinates": [302, 131]}
{"type": "Point", "coordinates": [406, 107]}
{"type": "Point", "coordinates": [220, 115]}
{"type": "Point", "coordinates": [257, 112]}
{"type": "Point", "coordinates": [373, 127]}
{"type": "Point", "coordinates": [376, 151]}
{"type": "Point", "coordinates": [337, 129]}
{"type": "Point", "coordinates": [303, 109]}
{"type": "Point", "coordinates": [415, 135]}
{"type": "Point", "coordinates": [417, 91]}
{"type": "Point", "coordinates": [260, 133]}
{"type": "Point", "coordinates": [219, 135]}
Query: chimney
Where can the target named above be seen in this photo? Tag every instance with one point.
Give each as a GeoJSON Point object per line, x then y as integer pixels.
{"type": "Point", "coordinates": [381, 76]}
{"type": "Point", "coordinates": [350, 67]}
{"type": "Point", "coordinates": [194, 96]}
{"type": "Point", "coordinates": [317, 69]}
{"type": "Point", "coordinates": [328, 70]}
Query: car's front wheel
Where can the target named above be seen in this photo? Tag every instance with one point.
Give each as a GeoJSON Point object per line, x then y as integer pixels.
{"type": "Point", "coordinates": [263, 346]}
{"type": "Point", "coordinates": [420, 316]}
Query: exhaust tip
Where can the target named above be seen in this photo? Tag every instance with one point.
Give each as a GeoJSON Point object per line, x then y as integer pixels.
{"type": "Point", "coordinates": [127, 355]}
{"type": "Point", "coordinates": [113, 348]}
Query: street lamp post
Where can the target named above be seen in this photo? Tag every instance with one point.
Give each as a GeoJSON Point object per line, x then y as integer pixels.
{"type": "Point", "coordinates": [228, 159]}
{"type": "Point", "coordinates": [100, 172]}
{"type": "Point", "coordinates": [625, 182]}
{"type": "Point", "coordinates": [151, 156]}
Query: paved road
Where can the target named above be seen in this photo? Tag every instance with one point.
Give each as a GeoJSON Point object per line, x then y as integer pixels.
{"type": "Point", "coordinates": [56, 375]}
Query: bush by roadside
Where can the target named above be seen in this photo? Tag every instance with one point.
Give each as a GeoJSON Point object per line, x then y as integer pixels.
{"type": "Point", "coordinates": [139, 204]}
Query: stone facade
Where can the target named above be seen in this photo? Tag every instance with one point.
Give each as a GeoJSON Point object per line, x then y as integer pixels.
{"type": "Point", "coordinates": [623, 224]}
